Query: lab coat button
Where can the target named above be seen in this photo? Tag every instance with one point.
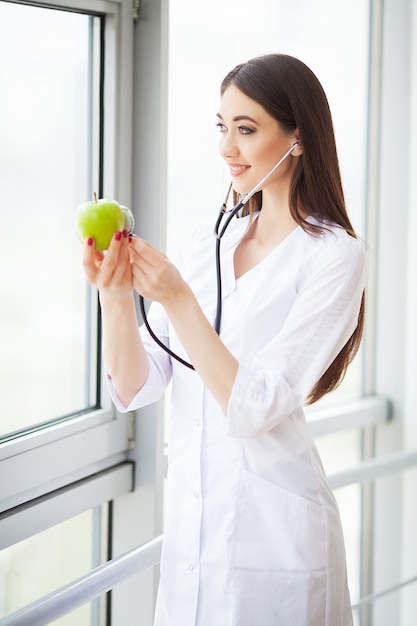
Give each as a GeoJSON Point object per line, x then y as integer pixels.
{"type": "Point", "coordinates": [191, 567]}
{"type": "Point", "coordinates": [196, 495]}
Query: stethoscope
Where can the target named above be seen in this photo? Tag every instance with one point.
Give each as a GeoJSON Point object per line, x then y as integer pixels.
{"type": "Point", "coordinates": [219, 231]}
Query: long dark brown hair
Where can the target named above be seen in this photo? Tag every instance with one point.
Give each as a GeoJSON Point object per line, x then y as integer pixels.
{"type": "Point", "coordinates": [291, 93]}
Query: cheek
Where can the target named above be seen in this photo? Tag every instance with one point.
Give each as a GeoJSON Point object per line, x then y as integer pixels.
{"type": "Point", "coordinates": [263, 162]}
{"type": "Point", "coordinates": [270, 153]}
{"type": "Point", "coordinates": [261, 152]}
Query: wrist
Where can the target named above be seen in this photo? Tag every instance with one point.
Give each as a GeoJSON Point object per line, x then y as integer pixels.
{"type": "Point", "coordinates": [183, 298]}
{"type": "Point", "coordinates": [110, 299]}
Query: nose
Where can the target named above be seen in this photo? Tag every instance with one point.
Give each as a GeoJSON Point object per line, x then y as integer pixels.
{"type": "Point", "coordinates": [227, 146]}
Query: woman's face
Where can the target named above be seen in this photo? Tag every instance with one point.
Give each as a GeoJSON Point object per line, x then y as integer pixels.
{"type": "Point", "coordinates": [252, 142]}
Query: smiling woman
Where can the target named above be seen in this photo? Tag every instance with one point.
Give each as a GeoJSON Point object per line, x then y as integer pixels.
{"type": "Point", "coordinates": [322, 38]}
{"type": "Point", "coordinates": [264, 543]}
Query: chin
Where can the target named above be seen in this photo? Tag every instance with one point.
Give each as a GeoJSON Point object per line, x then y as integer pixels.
{"type": "Point", "coordinates": [240, 190]}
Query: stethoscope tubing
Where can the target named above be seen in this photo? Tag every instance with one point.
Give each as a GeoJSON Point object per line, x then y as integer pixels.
{"type": "Point", "coordinates": [217, 320]}
{"type": "Point", "coordinates": [156, 339]}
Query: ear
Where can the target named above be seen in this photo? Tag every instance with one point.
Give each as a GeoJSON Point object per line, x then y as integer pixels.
{"type": "Point", "coordinates": [298, 151]}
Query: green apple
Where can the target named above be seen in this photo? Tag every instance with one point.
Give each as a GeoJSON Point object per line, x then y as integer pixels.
{"type": "Point", "coordinates": [100, 219]}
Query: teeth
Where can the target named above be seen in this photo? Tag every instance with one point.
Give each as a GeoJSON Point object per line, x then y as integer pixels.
{"type": "Point", "coordinates": [238, 168]}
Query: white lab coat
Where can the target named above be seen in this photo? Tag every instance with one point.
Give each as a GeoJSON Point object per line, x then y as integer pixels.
{"type": "Point", "coordinates": [253, 535]}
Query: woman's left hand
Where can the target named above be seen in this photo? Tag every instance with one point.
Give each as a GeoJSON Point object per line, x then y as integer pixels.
{"type": "Point", "coordinates": [154, 276]}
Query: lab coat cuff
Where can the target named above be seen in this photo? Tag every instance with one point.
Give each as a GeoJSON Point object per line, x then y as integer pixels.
{"type": "Point", "coordinates": [150, 392]}
{"type": "Point", "coordinates": [258, 401]}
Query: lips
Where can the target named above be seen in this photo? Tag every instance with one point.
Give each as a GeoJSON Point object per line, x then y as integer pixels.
{"type": "Point", "coordinates": [237, 169]}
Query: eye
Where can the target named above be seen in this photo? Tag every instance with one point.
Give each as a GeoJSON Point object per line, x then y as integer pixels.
{"type": "Point", "coordinates": [244, 130]}
{"type": "Point", "coordinates": [222, 128]}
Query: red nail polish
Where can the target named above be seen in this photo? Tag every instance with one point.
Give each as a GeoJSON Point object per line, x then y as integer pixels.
{"type": "Point", "coordinates": [118, 235]}
{"type": "Point", "coordinates": [125, 233]}
{"type": "Point", "coordinates": [90, 241]}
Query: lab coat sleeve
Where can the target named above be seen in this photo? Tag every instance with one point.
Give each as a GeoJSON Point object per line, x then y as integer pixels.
{"type": "Point", "coordinates": [160, 364]}
{"type": "Point", "coordinates": [322, 318]}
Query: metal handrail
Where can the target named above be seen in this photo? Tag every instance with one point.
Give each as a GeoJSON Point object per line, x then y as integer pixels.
{"type": "Point", "coordinates": [373, 468]}
{"type": "Point", "coordinates": [84, 589]}
{"type": "Point", "coordinates": [381, 594]}
{"type": "Point", "coordinates": [106, 576]}
{"type": "Point", "coordinates": [360, 413]}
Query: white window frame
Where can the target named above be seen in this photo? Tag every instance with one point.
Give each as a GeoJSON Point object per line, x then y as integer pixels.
{"type": "Point", "coordinates": [55, 472]}
{"type": "Point", "coordinates": [41, 461]}
{"type": "Point", "coordinates": [392, 552]}
{"type": "Point", "coordinates": [58, 470]}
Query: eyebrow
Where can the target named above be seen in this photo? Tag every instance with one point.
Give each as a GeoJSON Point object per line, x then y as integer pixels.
{"type": "Point", "coordinates": [239, 118]}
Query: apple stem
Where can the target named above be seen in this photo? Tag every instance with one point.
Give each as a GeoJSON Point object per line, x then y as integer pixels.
{"type": "Point", "coordinates": [95, 196]}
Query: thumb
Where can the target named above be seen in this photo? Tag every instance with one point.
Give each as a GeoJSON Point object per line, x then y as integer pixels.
{"type": "Point", "coordinates": [92, 259]}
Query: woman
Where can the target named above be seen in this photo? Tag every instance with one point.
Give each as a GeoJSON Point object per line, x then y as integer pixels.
{"type": "Point", "coordinates": [253, 535]}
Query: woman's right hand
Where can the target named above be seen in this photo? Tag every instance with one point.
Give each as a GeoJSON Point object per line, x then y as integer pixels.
{"type": "Point", "coordinates": [111, 271]}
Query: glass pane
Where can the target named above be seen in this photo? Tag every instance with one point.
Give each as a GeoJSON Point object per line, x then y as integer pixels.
{"type": "Point", "coordinates": [349, 501]}
{"type": "Point", "coordinates": [387, 607]}
{"type": "Point", "coordinates": [340, 451]}
{"type": "Point", "coordinates": [49, 73]}
{"type": "Point", "coordinates": [42, 563]}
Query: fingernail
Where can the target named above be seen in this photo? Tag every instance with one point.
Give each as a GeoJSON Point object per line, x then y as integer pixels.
{"type": "Point", "coordinates": [125, 233]}
{"type": "Point", "coordinates": [90, 241]}
{"type": "Point", "coordinates": [118, 235]}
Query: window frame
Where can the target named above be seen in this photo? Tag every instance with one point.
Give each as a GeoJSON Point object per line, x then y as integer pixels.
{"type": "Point", "coordinates": [40, 460]}
{"type": "Point", "coordinates": [97, 451]}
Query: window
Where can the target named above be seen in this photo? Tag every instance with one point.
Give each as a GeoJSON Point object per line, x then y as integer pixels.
{"type": "Point", "coordinates": [42, 562]}
{"type": "Point", "coordinates": [49, 153]}
{"type": "Point", "coordinates": [64, 451]}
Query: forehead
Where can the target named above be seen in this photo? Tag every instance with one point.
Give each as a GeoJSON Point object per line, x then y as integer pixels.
{"type": "Point", "coordinates": [235, 103]}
